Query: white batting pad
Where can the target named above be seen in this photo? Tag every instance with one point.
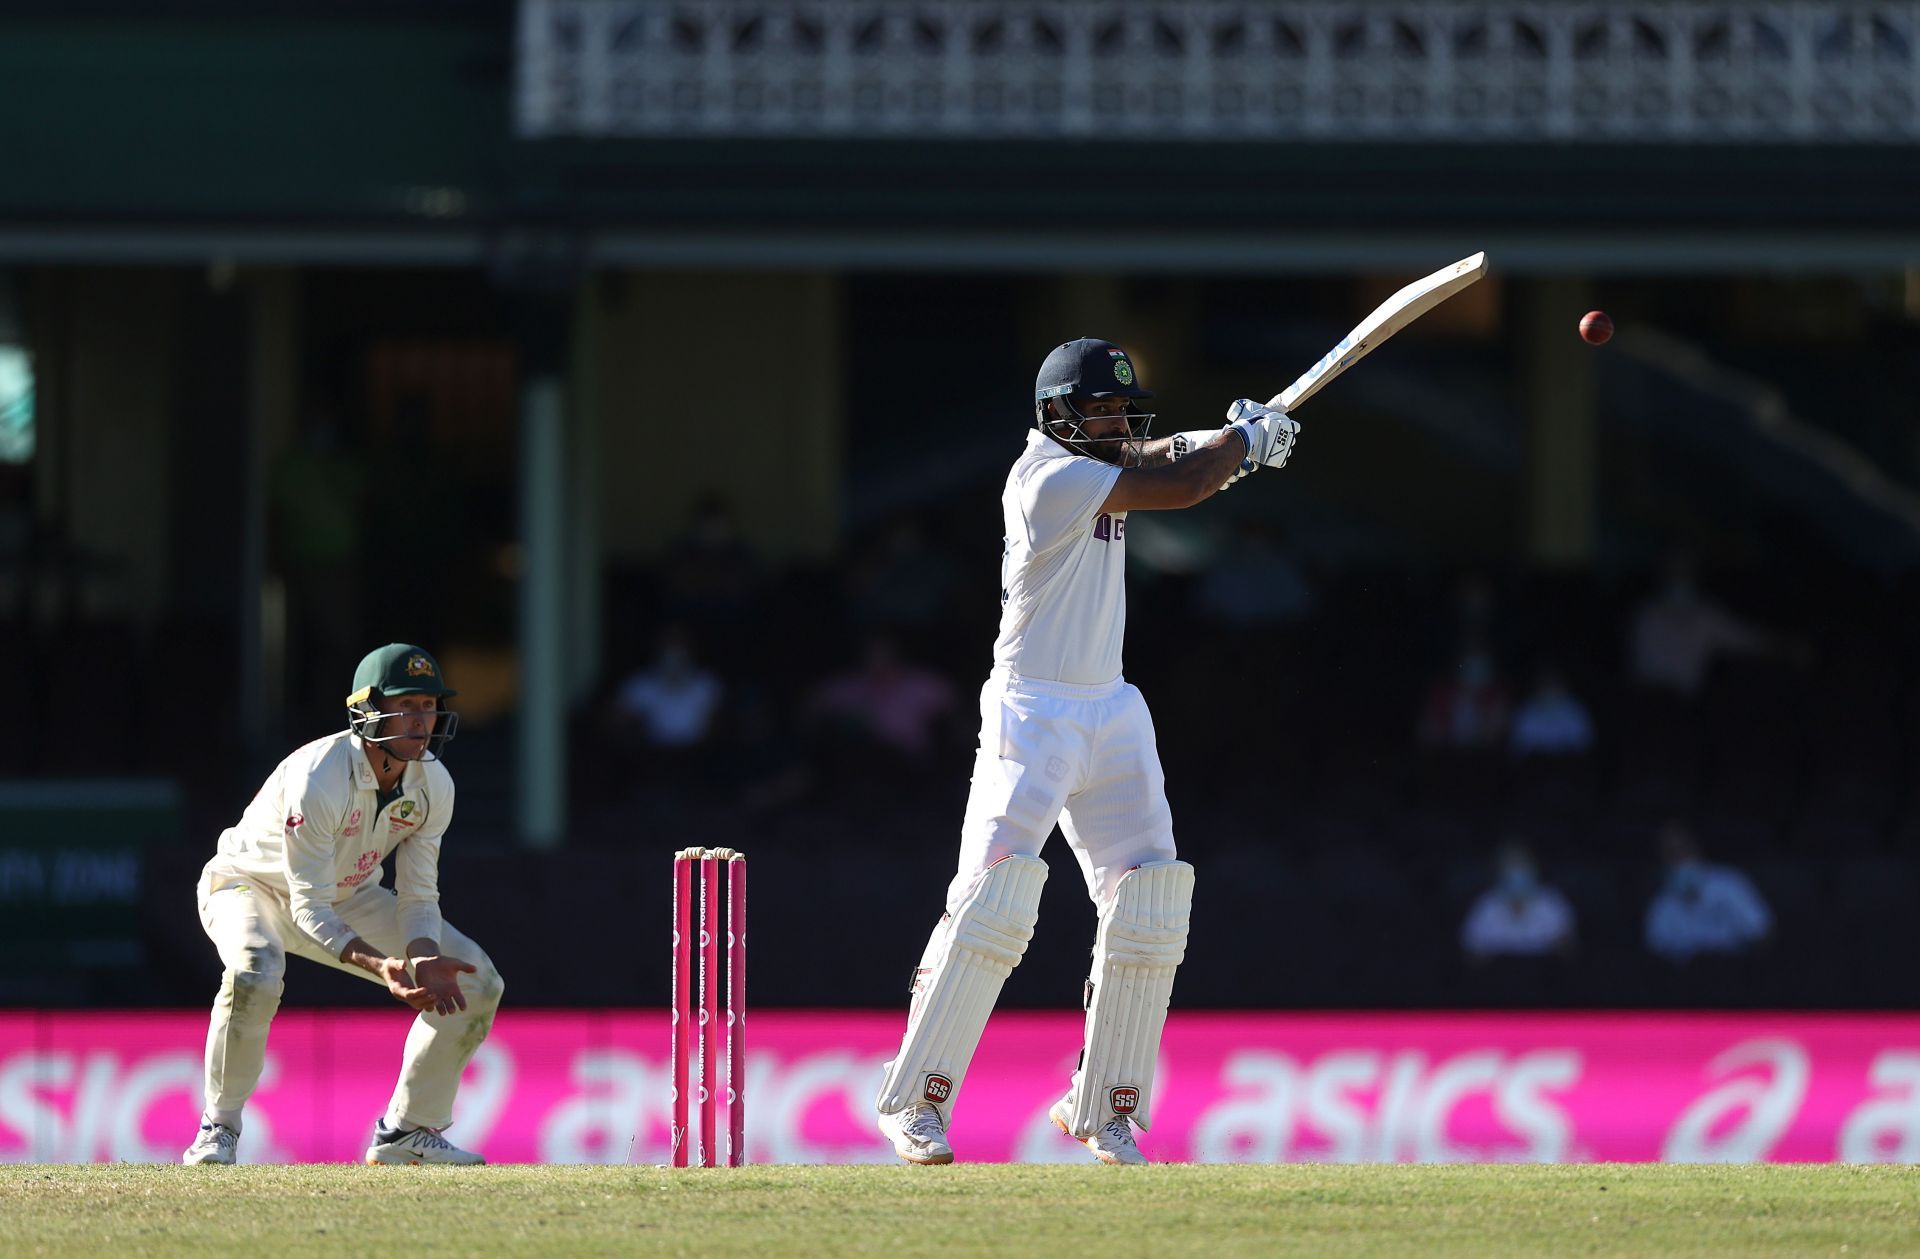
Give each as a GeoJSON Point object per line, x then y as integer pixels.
{"type": "Point", "coordinates": [968, 959]}
{"type": "Point", "coordinates": [1141, 942]}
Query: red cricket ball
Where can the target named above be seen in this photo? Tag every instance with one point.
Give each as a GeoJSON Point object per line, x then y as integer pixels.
{"type": "Point", "coordinates": [1596, 328]}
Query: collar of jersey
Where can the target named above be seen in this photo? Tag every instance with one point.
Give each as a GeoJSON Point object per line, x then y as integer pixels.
{"type": "Point", "coordinates": [1049, 448]}
{"type": "Point", "coordinates": [363, 775]}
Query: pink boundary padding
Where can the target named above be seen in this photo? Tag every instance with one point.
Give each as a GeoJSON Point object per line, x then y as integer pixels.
{"type": "Point", "coordinates": [737, 1010]}
{"type": "Point", "coordinates": [680, 1085]}
{"type": "Point", "coordinates": [710, 1032]}
{"type": "Point", "coordinates": [586, 1086]}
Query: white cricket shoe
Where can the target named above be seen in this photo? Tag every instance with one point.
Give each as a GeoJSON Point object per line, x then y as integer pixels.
{"type": "Point", "coordinates": [1112, 1143]}
{"type": "Point", "coordinates": [216, 1143]}
{"type": "Point", "coordinates": [416, 1146]}
{"type": "Point", "coordinates": [918, 1134]}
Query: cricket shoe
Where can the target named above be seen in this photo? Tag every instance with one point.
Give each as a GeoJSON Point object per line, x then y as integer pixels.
{"type": "Point", "coordinates": [216, 1143]}
{"type": "Point", "coordinates": [1112, 1142]}
{"type": "Point", "coordinates": [410, 1148]}
{"type": "Point", "coordinates": [918, 1134]}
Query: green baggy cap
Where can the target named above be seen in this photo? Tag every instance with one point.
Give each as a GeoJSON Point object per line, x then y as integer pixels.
{"type": "Point", "coordinates": [398, 669]}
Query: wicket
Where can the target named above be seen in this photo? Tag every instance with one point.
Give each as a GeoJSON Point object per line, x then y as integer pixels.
{"type": "Point", "coordinates": [696, 1071]}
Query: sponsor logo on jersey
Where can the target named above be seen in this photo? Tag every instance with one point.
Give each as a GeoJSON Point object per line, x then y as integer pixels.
{"type": "Point", "coordinates": [368, 863]}
{"type": "Point", "coordinates": [1110, 528]}
{"type": "Point", "coordinates": [352, 827]}
{"type": "Point", "coordinates": [939, 1089]}
{"type": "Point", "coordinates": [1125, 1099]}
{"type": "Point", "coordinates": [294, 821]}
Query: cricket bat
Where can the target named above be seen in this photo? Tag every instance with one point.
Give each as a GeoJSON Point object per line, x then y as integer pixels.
{"type": "Point", "coordinates": [1387, 318]}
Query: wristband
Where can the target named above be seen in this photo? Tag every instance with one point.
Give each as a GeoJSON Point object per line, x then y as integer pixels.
{"type": "Point", "coordinates": [1180, 445]}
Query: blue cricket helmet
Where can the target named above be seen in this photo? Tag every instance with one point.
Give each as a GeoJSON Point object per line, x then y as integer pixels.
{"type": "Point", "coordinates": [1088, 368]}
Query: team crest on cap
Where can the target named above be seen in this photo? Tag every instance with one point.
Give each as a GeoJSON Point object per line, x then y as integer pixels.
{"type": "Point", "coordinates": [1123, 371]}
{"type": "Point", "coordinates": [418, 666]}
{"type": "Point", "coordinates": [939, 1089]}
{"type": "Point", "coordinates": [1125, 1099]}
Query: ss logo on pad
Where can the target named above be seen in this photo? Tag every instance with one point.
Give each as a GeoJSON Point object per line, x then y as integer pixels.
{"type": "Point", "coordinates": [939, 1088]}
{"type": "Point", "coordinates": [1125, 1099]}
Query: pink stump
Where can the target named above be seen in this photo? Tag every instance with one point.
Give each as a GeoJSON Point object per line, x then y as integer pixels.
{"type": "Point", "coordinates": [737, 1010]}
{"type": "Point", "coordinates": [709, 1005]}
{"type": "Point", "coordinates": [681, 1085]}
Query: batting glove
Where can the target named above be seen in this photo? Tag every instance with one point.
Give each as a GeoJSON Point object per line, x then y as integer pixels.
{"type": "Point", "coordinates": [1270, 432]}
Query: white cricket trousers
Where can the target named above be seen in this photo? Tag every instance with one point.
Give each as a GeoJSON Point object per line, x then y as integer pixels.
{"type": "Point", "coordinates": [252, 927]}
{"type": "Point", "coordinates": [1082, 756]}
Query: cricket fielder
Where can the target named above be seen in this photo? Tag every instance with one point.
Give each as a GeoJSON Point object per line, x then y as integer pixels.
{"type": "Point", "coordinates": [1064, 737]}
{"type": "Point", "coordinates": [300, 873]}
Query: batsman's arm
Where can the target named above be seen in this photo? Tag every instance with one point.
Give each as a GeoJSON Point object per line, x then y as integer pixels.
{"type": "Point", "coordinates": [1166, 481]}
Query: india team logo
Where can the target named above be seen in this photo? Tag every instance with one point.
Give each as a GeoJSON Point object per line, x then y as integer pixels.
{"type": "Point", "coordinates": [1123, 371]}
{"type": "Point", "coordinates": [939, 1089]}
{"type": "Point", "coordinates": [1125, 1099]}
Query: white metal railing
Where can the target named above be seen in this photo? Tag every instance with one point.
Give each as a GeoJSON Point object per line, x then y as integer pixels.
{"type": "Point", "coordinates": [1652, 71]}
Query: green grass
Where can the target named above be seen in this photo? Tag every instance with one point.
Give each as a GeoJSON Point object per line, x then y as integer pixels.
{"type": "Point", "coordinates": [346, 1211]}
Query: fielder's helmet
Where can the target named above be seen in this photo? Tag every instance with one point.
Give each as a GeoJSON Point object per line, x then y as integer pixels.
{"type": "Point", "coordinates": [399, 669]}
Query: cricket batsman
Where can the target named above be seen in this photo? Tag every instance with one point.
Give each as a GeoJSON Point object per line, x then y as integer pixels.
{"type": "Point", "coordinates": [300, 873]}
{"type": "Point", "coordinates": [1064, 737]}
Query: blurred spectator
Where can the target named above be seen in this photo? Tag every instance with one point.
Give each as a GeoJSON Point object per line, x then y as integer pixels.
{"type": "Point", "coordinates": [767, 767]}
{"type": "Point", "coordinates": [1470, 615]}
{"type": "Point", "coordinates": [1253, 583]}
{"type": "Point", "coordinates": [1679, 631]}
{"type": "Point", "coordinates": [673, 703]}
{"type": "Point", "coordinates": [709, 576]}
{"type": "Point", "coordinates": [1473, 609]}
{"type": "Point", "coordinates": [886, 702]}
{"type": "Point", "coordinates": [1519, 916]}
{"type": "Point", "coordinates": [1702, 909]}
{"type": "Point", "coordinates": [1551, 721]}
{"type": "Point", "coordinates": [903, 581]}
{"type": "Point", "coordinates": [1468, 709]}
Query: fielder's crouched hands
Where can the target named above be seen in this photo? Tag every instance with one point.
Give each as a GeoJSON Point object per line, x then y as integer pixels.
{"type": "Point", "coordinates": [439, 979]}
{"type": "Point", "coordinates": [1270, 433]}
{"type": "Point", "coordinates": [400, 982]}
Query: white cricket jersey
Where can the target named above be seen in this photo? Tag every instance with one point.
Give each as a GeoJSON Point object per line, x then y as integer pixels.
{"type": "Point", "coordinates": [1063, 595]}
{"type": "Point", "coordinates": [316, 832]}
